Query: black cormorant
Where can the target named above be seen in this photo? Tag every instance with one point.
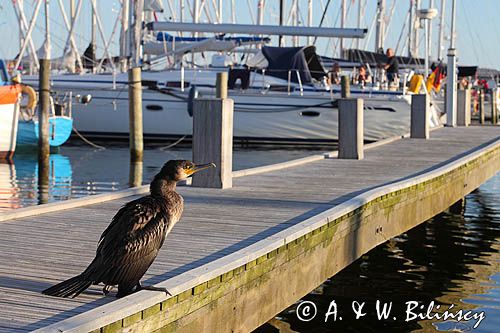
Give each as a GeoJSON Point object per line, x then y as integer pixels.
{"type": "Point", "coordinates": [130, 243]}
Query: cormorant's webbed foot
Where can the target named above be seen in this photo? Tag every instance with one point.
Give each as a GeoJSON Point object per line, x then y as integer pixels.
{"type": "Point", "coordinates": [153, 288]}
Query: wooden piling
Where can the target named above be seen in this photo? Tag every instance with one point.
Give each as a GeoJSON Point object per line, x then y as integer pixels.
{"type": "Point", "coordinates": [221, 85]}
{"type": "Point", "coordinates": [135, 174]}
{"type": "Point", "coordinates": [345, 87]}
{"type": "Point", "coordinates": [43, 132]}
{"type": "Point", "coordinates": [494, 106]}
{"type": "Point", "coordinates": [44, 110]}
{"type": "Point", "coordinates": [135, 114]}
{"type": "Point", "coordinates": [480, 96]}
{"type": "Point", "coordinates": [463, 107]}
{"type": "Point", "coordinates": [213, 141]}
{"type": "Point", "coordinates": [351, 128]}
{"type": "Point", "coordinates": [419, 124]}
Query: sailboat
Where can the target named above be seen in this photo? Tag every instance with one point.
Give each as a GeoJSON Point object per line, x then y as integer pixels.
{"type": "Point", "coordinates": [279, 102]}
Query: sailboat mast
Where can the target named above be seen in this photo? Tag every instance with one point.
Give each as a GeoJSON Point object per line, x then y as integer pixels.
{"type": "Point", "coordinates": [220, 11]}
{"type": "Point", "coordinates": [441, 30]}
{"type": "Point", "coordinates": [280, 38]}
{"type": "Point", "coordinates": [309, 19]}
{"type": "Point", "coordinates": [416, 26]}
{"type": "Point", "coordinates": [136, 29]}
{"type": "Point", "coordinates": [360, 14]}
{"type": "Point", "coordinates": [196, 10]}
{"type": "Point", "coordinates": [410, 30]}
{"type": "Point", "coordinates": [124, 36]}
{"type": "Point", "coordinates": [93, 36]}
{"type": "Point", "coordinates": [431, 5]}
{"type": "Point", "coordinates": [260, 12]}
{"type": "Point", "coordinates": [453, 18]}
{"type": "Point", "coordinates": [295, 13]}
{"type": "Point", "coordinates": [47, 46]}
{"type": "Point", "coordinates": [380, 29]}
{"type": "Point", "coordinates": [451, 79]}
{"type": "Point", "coordinates": [342, 25]}
{"type": "Point", "coordinates": [73, 53]}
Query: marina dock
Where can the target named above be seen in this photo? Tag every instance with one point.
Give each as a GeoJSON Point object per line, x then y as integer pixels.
{"type": "Point", "coordinates": [241, 255]}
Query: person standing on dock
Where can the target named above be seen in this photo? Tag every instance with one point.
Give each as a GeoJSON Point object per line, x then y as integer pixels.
{"type": "Point", "coordinates": [392, 66]}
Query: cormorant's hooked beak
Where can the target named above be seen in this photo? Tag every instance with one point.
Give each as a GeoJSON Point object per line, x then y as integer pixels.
{"type": "Point", "coordinates": [200, 167]}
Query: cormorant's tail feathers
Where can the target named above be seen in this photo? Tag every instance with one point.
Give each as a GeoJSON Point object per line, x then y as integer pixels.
{"type": "Point", "coordinates": [69, 288]}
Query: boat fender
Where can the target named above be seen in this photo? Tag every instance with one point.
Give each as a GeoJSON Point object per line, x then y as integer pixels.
{"type": "Point", "coordinates": [193, 94]}
{"type": "Point", "coordinates": [32, 100]}
{"type": "Point", "coordinates": [416, 83]}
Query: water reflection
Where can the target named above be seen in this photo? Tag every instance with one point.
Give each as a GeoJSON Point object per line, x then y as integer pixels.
{"type": "Point", "coordinates": [9, 190]}
{"type": "Point", "coordinates": [451, 259]}
{"type": "Point", "coordinates": [20, 181]}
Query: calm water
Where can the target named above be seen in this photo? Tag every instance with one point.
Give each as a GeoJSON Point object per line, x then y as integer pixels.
{"type": "Point", "coordinates": [78, 171]}
{"type": "Point", "coordinates": [451, 259]}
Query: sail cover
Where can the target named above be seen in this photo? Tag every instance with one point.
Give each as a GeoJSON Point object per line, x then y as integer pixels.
{"type": "Point", "coordinates": [302, 60]}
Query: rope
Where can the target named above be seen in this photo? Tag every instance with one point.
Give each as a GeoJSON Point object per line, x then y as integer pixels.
{"type": "Point", "coordinates": [86, 140]}
{"type": "Point", "coordinates": [173, 144]}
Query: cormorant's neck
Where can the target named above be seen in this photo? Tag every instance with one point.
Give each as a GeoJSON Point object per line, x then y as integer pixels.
{"type": "Point", "coordinates": [162, 187]}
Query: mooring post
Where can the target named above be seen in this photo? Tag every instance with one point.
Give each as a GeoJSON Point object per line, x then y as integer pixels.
{"type": "Point", "coordinates": [43, 131]}
{"type": "Point", "coordinates": [463, 107]}
{"type": "Point", "coordinates": [213, 137]}
{"type": "Point", "coordinates": [419, 123]}
{"type": "Point", "coordinates": [345, 87]}
{"type": "Point", "coordinates": [480, 97]}
{"type": "Point", "coordinates": [135, 174]}
{"type": "Point", "coordinates": [44, 107]}
{"type": "Point", "coordinates": [135, 114]}
{"type": "Point", "coordinates": [351, 128]}
{"type": "Point", "coordinates": [494, 105]}
{"type": "Point", "coordinates": [221, 85]}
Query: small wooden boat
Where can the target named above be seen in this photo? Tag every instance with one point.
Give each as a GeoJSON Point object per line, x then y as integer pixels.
{"type": "Point", "coordinates": [60, 121]}
{"type": "Point", "coordinates": [9, 97]}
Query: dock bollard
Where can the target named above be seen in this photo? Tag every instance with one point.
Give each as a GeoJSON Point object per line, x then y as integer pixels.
{"type": "Point", "coordinates": [345, 87]}
{"type": "Point", "coordinates": [480, 96]}
{"type": "Point", "coordinates": [419, 123]}
{"type": "Point", "coordinates": [351, 128]}
{"type": "Point", "coordinates": [213, 140]}
{"type": "Point", "coordinates": [221, 85]}
{"type": "Point", "coordinates": [494, 105]}
{"type": "Point", "coordinates": [463, 107]}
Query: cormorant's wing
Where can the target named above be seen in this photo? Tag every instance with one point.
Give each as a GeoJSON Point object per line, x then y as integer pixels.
{"type": "Point", "coordinates": [131, 242]}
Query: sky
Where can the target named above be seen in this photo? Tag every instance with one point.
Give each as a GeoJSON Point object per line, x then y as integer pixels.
{"type": "Point", "coordinates": [477, 27]}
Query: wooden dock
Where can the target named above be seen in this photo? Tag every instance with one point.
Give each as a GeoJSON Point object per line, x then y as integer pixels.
{"type": "Point", "coordinates": [228, 258]}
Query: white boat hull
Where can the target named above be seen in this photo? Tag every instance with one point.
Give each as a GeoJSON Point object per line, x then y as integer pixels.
{"type": "Point", "coordinates": [259, 115]}
{"type": "Point", "coordinates": [8, 128]}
